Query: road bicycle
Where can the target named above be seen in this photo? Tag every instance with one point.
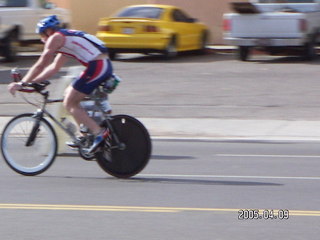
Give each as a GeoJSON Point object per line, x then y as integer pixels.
{"type": "Point", "coordinates": [29, 141]}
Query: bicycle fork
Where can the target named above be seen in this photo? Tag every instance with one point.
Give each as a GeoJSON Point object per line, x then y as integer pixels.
{"type": "Point", "coordinates": [35, 129]}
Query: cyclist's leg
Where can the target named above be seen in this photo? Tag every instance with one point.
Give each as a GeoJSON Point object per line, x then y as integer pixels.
{"type": "Point", "coordinates": [96, 72]}
{"type": "Point", "coordinates": [72, 103]}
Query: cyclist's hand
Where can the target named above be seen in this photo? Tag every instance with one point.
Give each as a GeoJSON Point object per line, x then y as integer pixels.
{"type": "Point", "coordinates": [13, 87]}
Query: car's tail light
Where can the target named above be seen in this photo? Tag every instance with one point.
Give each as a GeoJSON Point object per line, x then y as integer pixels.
{"type": "Point", "coordinates": [105, 28]}
{"type": "Point", "coordinates": [151, 28]}
{"type": "Point", "coordinates": [227, 24]}
{"type": "Point", "coordinates": [303, 26]}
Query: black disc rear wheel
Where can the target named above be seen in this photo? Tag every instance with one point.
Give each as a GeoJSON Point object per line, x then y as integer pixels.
{"type": "Point", "coordinates": [134, 152]}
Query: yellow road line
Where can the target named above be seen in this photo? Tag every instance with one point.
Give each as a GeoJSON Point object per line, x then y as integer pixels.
{"type": "Point", "coordinates": [139, 209]}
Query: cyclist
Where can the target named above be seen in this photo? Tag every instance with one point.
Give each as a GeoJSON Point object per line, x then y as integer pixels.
{"type": "Point", "coordinates": [60, 44]}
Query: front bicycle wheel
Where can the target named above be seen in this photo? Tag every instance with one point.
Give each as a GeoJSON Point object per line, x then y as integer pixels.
{"type": "Point", "coordinates": [28, 147]}
{"type": "Point", "coordinates": [134, 153]}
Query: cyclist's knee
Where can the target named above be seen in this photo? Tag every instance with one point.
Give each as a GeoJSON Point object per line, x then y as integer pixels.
{"type": "Point", "coordinates": [71, 106]}
{"type": "Point", "coordinates": [66, 106]}
{"type": "Point", "coordinates": [72, 100]}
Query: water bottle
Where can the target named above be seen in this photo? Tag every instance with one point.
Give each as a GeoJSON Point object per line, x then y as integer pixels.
{"type": "Point", "coordinates": [72, 128]}
{"type": "Point", "coordinates": [88, 105]}
{"type": "Point", "coordinates": [84, 129]}
{"type": "Point", "coordinates": [112, 83]}
{"type": "Point", "coordinates": [105, 105]}
{"type": "Point", "coordinates": [16, 75]}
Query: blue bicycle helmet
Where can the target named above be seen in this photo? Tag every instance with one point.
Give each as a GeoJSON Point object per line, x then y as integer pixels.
{"type": "Point", "coordinates": [48, 22]}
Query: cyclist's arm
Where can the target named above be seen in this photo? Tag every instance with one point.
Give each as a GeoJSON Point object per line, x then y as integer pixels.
{"type": "Point", "coordinates": [36, 73]}
{"type": "Point", "coordinates": [53, 68]}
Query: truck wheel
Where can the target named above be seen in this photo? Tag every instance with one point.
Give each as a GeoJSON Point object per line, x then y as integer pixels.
{"type": "Point", "coordinates": [310, 52]}
{"type": "Point", "coordinates": [11, 44]}
{"type": "Point", "coordinates": [243, 53]}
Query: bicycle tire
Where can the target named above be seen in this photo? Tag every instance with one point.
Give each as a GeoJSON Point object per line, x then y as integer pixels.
{"type": "Point", "coordinates": [127, 162]}
{"type": "Point", "coordinates": [39, 155]}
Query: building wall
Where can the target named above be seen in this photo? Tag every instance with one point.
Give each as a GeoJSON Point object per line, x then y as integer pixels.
{"type": "Point", "coordinates": [209, 12]}
{"type": "Point", "coordinates": [86, 14]}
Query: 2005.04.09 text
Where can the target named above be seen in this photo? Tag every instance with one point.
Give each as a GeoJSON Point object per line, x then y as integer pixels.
{"type": "Point", "coordinates": [252, 214]}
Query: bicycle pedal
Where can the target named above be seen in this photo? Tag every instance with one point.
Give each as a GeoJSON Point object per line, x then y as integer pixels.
{"type": "Point", "coordinates": [88, 151]}
{"type": "Point", "coordinates": [76, 143]}
{"type": "Point", "coordinates": [72, 145]}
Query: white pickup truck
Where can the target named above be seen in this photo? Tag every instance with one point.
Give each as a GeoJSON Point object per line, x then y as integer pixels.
{"type": "Point", "coordinates": [275, 26]}
{"type": "Point", "coordinates": [18, 19]}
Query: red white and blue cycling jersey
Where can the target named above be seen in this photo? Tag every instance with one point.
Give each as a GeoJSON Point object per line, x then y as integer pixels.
{"type": "Point", "coordinates": [85, 48]}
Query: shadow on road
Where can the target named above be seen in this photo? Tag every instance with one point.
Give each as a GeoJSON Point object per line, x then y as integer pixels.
{"type": "Point", "coordinates": [167, 180]}
{"type": "Point", "coordinates": [165, 157]}
{"type": "Point", "coordinates": [199, 182]}
{"type": "Point", "coordinates": [284, 60]}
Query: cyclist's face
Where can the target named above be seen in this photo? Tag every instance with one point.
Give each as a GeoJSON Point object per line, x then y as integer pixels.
{"type": "Point", "coordinates": [44, 36]}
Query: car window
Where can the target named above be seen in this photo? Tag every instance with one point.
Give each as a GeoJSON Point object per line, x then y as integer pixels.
{"type": "Point", "coordinates": [180, 16]}
{"type": "Point", "coordinates": [141, 12]}
{"type": "Point", "coordinates": [13, 3]}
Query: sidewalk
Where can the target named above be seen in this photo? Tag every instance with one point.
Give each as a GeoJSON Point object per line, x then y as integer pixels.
{"type": "Point", "coordinates": [227, 129]}
{"type": "Point", "coordinates": [234, 129]}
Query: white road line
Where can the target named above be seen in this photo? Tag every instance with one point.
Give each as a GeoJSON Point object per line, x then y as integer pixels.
{"type": "Point", "coordinates": [226, 176]}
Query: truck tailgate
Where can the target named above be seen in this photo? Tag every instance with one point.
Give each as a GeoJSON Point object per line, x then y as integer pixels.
{"type": "Point", "coordinates": [266, 25]}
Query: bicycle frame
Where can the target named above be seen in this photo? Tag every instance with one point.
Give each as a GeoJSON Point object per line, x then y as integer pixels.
{"type": "Point", "coordinates": [41, 112]}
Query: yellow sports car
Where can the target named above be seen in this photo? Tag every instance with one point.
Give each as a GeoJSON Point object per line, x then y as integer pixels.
{"type": "Point", "coordinates": [152, 28]}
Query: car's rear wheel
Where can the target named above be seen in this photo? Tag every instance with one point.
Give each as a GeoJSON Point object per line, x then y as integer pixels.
{"type": "Point", "coordinates": [112, 54]}
{"type": "Point", "coordinates": [203, 42]}
{"type": "Point", "coordinates": [310, 52]}
{"type": "Point", "coordinates": [171, 49]}
{"type": "Point", "coordinates": [11, 44]}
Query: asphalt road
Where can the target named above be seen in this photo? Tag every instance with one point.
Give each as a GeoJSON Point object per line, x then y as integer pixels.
{"type": "Point", "coordinates": [215, 85]}
{"type": "Point", "coordinates": [189, 190]}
